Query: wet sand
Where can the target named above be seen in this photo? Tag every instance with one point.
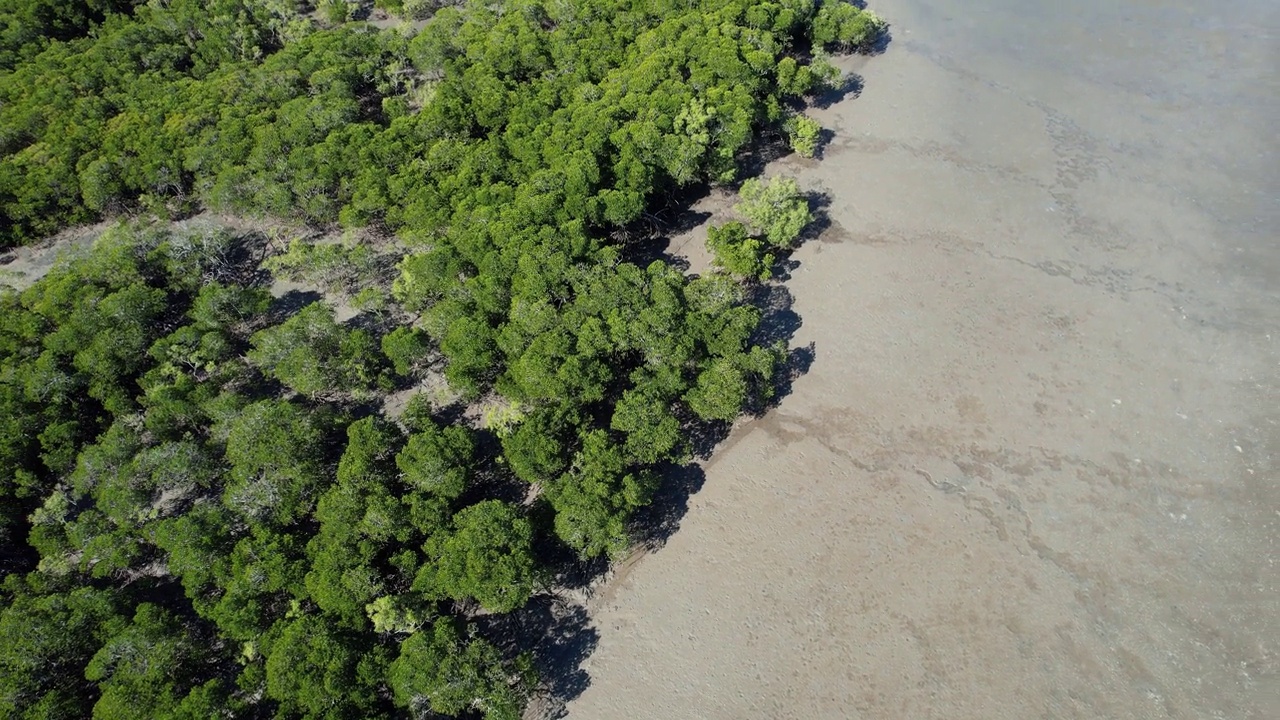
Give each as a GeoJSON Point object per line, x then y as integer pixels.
{"type": "Point", "coordinates": [1032, 469]}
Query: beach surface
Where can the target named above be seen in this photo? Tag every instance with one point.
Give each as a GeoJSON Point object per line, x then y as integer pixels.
{"type": "Point", "coordinates": [1031, 470]}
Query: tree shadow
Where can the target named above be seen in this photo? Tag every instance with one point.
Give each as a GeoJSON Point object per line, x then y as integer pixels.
{"type": "Point", "coordinates": [683, 219]}
{"type": "Point", "coordinates": [660, 519]}
{"type": "Point", "coordinates": [568, 639]}
{"type": "Point", "coordinates": [850, 86]}
{"type": "Point", "coordinates": [559, 635]}
{"type": "Point", "coordinates": [362, 12]}
{"type": "Point", "coordinates": [17, 555]}
{"type": "Point", "coordinates": [880, 45]}
{"type": "Point", "coordinates": [565, 569]}
{"type": "Point", "coordinates": [782, 267]}
{"type": "Point", "coordinates": [778, 322]}
{"type": "Point", "coordinates": [650, 237]}
{"type": "Point", "coordinates": [291, 302]}
{"type": "Point", "coordinates": [452, 414]}
{"type": "Point", "coordinates": [242, 264]}
{"type": "Point", "coordinates": [755, 160]}
{"type": "Point", "coordinates": [819, 204]}
{"type": "Point", "coordinates": [797, 363]}
{"type": "Point", "coordinates": [701, 436]}
{"type": "Point", "coordinates": [491, 478]}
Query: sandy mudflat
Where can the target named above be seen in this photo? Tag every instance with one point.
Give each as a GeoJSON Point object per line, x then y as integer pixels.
{"type": "Point", "coordinates": [1032, 470]}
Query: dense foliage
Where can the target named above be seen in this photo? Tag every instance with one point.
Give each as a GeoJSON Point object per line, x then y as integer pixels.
{"type": "Point", "coordinates": [206, 509]}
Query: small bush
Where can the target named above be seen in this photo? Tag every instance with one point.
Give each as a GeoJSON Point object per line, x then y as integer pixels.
{"type": "Point", "coordinates": [335, 11]}
{"type": "Point", "coordinates": [804, 133]}
{"type": "Point", "coordinates": [775, 209]}
{"type": "Point", "coordinates": [405, 347]}
{"type": "Point", "coordinates": [739, 253]}
{"type": "Point", "coordinates": [846, 27]}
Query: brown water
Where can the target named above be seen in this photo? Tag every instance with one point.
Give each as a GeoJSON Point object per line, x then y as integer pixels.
{"type": "Point", "coordinates": [1032, 471]}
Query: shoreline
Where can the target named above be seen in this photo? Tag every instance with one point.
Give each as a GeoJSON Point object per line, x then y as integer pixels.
{"type": "Point", "coordinates": [1026, 473]}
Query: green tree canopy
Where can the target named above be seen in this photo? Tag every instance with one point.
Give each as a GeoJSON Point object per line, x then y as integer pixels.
{"type": "Point", "coordinates": [185, 530]}
{"type": "Point", "coordinates": [775, 208]}
{"type": "Point", "coordinates": [312, 354]}
{"type": "Point", "coordinates": [45, 642]}
{"type": "Point", "coordinates": [739, 253]}
{"type": "Point", "coordinates": [315, 671]}
{"type": "Point", "coordinates": [488, 557]}
{"type": "Point", "coordinates": [438, 460]}
{"type": "Point", "coordinates": [440, 670]}
{"type": "Point", "coordinates": [846, 26]}
{"type": "Point", "coordinates": [150, 667]}
{"type": "Point", "coordinates": [274, 453]}
{"type": "Point", "coordinates": [596, 498]}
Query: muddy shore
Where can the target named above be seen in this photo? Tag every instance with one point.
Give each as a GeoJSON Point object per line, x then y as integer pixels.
{"type": "Point", "coordinates": [1031, 471]}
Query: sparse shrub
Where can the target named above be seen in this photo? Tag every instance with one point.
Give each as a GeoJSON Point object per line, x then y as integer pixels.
{"type": "Point", "coordinates": [312, 354]}
{"type": "Point", "coordinates": [405, 347]}
{"type": "Point", "coordinates": [335, 11]}
{"type": "Point", "coordinates": [804, 133]}
{"type": "Point", "coordinates": [845, 26]}
{"type": "Point", "coordinates": [737, 252]}
{"type": "Point", "coordinates": [775, 209]}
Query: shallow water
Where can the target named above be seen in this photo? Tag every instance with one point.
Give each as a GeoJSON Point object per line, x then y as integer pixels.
{"type": "Point", "coordinates": [1032, 469]}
